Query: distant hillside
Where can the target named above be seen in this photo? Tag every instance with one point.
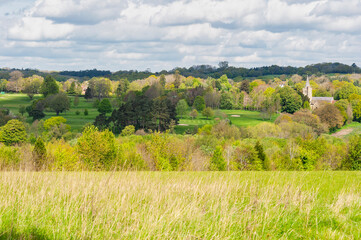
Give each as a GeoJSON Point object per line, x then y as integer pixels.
{"type": "Point", "coordinates": [199, 71]}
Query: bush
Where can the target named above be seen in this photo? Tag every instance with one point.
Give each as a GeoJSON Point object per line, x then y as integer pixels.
{"type": "Point", "coordinates": [13, 132]}
{"type": "Point", "coordinates": [77, 112]}
{"type": "Point", "coordinates": [39, 153]}
{"type": "Point", "coordinates": [217, 161]}
{"type": "Point", "coordinates": [353, 160]}
{"type": "Point", "coordinates": [63, 157]}
{"type": "Point", "coordinates": [97, 149]}
{"type": "Point", "coordinates": [9, 157]}
{"type": "Point", "coordinates": [86, 113]}
{"type": "Point", "coordinates": [128, 158]}
{"type": "Point", "coordinates": [128, 130]}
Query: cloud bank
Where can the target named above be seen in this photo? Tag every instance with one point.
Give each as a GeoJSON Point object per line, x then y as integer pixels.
{"type": "Point", "coordinates": [163, 34]}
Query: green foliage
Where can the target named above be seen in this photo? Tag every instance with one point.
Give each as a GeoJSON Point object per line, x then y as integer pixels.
{"type": "Point", "coordinates": [76, 101]}
{"type": "Point", "coordinates": [52, 122]}
{"type": "Point", "coordinates": [22, 110]}
{"type": "Point", "coordinates": [88, 93]}
{"type": "Point", "coordinates": [182, 107]}
{"type": "Point", "coordinates": [226, 101]}
{"type": "Point", "coordinates": [260, 153]}
{"type": "Point", "coordinates": [291, 101]}
{"type": "Point", "coordinates": [357, 112]}
{"type": "Point", "coordinates": [63, 157]}
{"type": "Point", "coordinates": [208, 112]}
{"type": "Point", "coordinates": [59, 102]}
{"type": "Point", "coordinates": [218, 162]}
{"type": "Point", "coordinates": [162, 80]}
{"type": "Point", "coordinates": [306, 105]}
{"type": "Point", "coordinates": [97, 150]}
{"type": "Point", "coordinates": [353, 160]}
{"type": "Point", "coordinates": [39, 153]}
{"type": "Point", "coordinates": [105, 106]}
{"type": "Point", "coordinates": [199, 103]}
{"type": "Point", "coordinates": [194, 113]}
{"type": "Point", "coordinates": [128, 130]}
{"type": "Point", "coordinates": [345, 91]}
{"type": "Point", "coordinates": [49, 86]}
{"type": "Point", "coordinates": [128, 158]}
{"type": "Point", "coordinates": [9, 157]}
{"type": "Point", "coordinates": [86, 113]}
{"type": "Point", "coordinates": [13, 132]}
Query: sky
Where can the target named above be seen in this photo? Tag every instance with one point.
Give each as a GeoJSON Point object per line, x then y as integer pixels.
{"type": "Point", "coordinates": [164, 34]}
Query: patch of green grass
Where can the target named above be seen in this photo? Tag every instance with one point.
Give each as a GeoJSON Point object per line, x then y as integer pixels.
{"type": "Point", "coordinates": [180, 205]}
{"type": "Point", "coordinates": [14, 101]}
{"type": "Point", "coordinates": [246, 118]}
{"type": "Point", "coordinates": [356, 129]}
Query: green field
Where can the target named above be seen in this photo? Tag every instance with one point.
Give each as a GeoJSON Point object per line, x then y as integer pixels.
{"type": "Point", "coordinates": [14, 101]}
{"type": "Point", "coordinates": [180, 205]}
{"type": "Point", "coordinates": [241, 118]}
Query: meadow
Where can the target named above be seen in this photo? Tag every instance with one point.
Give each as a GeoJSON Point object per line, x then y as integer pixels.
{"type": "Point", "coordinates": [180, 205]}
{"type": "Point", "coordinates": [14, 101]}
{"type": "Point", "coordinates": [241, 118]}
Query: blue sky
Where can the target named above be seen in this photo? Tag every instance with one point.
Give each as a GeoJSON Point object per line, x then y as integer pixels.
{"type": "Point", "coordinates": [163, 34]}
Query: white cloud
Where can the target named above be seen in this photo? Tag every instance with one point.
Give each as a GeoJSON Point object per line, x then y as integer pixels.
{"type": "Point", "coordinates": [120, 34]}
{"type": "Point", "coordinates": [39, 28]}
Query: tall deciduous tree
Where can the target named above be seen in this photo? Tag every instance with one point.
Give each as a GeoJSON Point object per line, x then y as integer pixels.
{"type": "Point", "coordinates": [59, 102]}
{"type": "Point", "coordinates": [49, 86]}
{"type": "Point", "coordinates": [182, 107]}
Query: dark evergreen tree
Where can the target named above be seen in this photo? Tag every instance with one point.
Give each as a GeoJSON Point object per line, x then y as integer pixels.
{"type": "Point", "coordinates": [260, 153]}
{"type": "Point", "coordinates": [88, 93]}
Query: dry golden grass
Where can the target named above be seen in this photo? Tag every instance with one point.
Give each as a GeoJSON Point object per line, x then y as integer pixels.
{"type": "Point", "coordinates": [177, 205]}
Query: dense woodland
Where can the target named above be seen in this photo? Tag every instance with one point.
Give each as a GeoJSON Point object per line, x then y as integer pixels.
{"type": "Point", "coordinates": [199, 71]}
{"type": "Point", "coordinates": [134, 129]}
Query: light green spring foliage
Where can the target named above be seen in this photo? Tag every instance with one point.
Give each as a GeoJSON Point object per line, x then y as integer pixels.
{"type": "Point", "coordinates": [9, 157]}
{"type": "Point", "coordinates": [128, 130]}
{"type": "Point", "coordinates": [167, 152]}
{"type": "Point", "coordinates": [53, 121]}
{"type": "Point", "coordinates": [97, 149]}
{"type": "Point", "coordinates": [13, 132]}
{"type": "Point", "coordinates": [217, 161]}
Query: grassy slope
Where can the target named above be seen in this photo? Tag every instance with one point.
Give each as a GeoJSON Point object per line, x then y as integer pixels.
{"type": "Point", "coordinates": [198, 205]}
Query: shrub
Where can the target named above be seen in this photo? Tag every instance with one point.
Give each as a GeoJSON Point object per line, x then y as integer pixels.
{"type": "Point", "coordinates": [9, 157]}
{"type": "Point", "coordinates": [86, 113]}
{"type": "Point", "coordinates": [62, 156]}
{"type": "Point", "coordinates": [53, 121]}
{"type": "Point", "coordinates": [77, 112]}
{"type": "Point", "coordinates": [97, 149]}
{"type": "Point", "coordinates": [39, 153]}
{"type": "Point", "coordinates": [105, 106]}
{"type": "Point", "coordinates": [217, 161]}
{"type": "Point", "coordinates": [353, 159]}
{"type": "Point", "coordinates": [128, 158]}
{"type": "Point", "coordinates": [13, 132]}
{"type": "Point", "coordinates": [128, 130]}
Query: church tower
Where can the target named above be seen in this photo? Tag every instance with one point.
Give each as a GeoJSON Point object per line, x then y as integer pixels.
{"type": "Point", "coordinates": [307, 90]}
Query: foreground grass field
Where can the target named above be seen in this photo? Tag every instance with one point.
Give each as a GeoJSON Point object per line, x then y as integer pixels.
{"type": "Point", "coordinates": [202, 205]}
